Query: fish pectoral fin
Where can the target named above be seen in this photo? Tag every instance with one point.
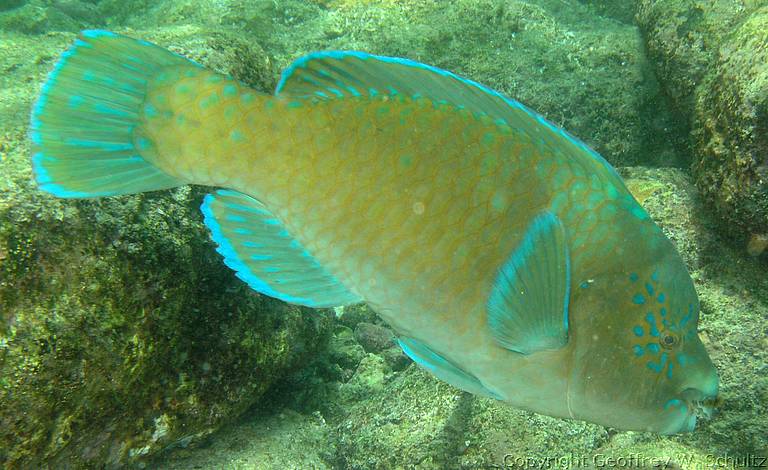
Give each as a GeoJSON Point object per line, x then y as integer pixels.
{"type": "Point", "coordinates": [443, 369]}
{"type": "Point", "coordinates": [255, 244]}
{"type": "Point", "coordinates": [528, 306]}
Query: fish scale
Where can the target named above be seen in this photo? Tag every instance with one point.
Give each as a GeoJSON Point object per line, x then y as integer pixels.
{"type": "Point", "coordinates": [508, 257]}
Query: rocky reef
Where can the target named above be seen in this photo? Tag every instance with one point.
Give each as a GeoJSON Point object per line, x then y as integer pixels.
{"type": "Point", "coordinates": [712, 62]}
{"type": "Point", "coordinates": [125, 341]}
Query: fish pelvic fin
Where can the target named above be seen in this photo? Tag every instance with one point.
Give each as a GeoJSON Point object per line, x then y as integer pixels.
{"type": "Point", "coordinates": [84, 125]}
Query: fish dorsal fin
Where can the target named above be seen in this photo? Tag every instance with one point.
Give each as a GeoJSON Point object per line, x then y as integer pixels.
{"type": "Point", "coordinates": [337, 74]}
{"type": "Point", "coordinates": [330, 75]}
{"type": "Point", "coordinates": [528, 306]}
{"type": "Point", "coordinates": [442, 368]}
{"type": "Point", "coordinates": [255, 244]}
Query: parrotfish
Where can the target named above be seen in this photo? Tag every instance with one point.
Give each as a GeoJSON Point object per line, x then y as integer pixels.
{"type": "Point", "coordinates": [508, 256]}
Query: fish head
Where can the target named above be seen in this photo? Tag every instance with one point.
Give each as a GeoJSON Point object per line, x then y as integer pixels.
{"type": "Point", "coordinates": [639, 363]}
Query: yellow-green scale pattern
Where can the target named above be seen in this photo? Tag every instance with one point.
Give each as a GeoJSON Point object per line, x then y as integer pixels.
{"type": "Point", "coordinates": [412, 205]}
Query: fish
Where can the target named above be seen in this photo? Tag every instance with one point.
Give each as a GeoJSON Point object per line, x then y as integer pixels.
{"type": "Point", "coordinates": [508, 257]}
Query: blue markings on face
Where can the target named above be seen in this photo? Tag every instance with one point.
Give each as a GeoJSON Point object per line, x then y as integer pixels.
{"type": "Point", "coordinates": [687, 317]}
{"type": "Point", "coordinates": [660, 322]}
{"type": "Point", "coordinates": [649, 318]}
{"type": "Point", "coordinates": [649, 289]}
{"type": "Point", "coordinates": [584, 285]}
{"type": "Point", "coordinates": [658, 366]}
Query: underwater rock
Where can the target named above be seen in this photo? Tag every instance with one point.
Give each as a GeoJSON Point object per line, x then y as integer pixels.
{"type": "Point", "coordinates": [373, 338]}
{"type": "Point", "coordinates": [122, 331]}
{"type": "Point", "coordinates": [620, 11]}
{"type": "Point", "coordinates": [351, 315]}
{"type": "Point", "coordinates": [731, 131]}
{"type": "Point", "coordinates": [223, 51]}
{"type": "Point", "coordinates": [395, 358]}
{"type": "Point", "coordinates": [682, 38]}
{"type": "Point", "coordinates": [10, 4]}
{"type": "Point", "coordinates": [711, 60]}
{"type": "Point", "coordinates": [29, 18]}
{"type": "Point", "coordinates": [344, 350]}
{"type": "Point", "coordinates": [39, 17]}
{"type": "Point", "coordinates": [368, 380]}
{"type": "Point", "coordinates": [284, 440]}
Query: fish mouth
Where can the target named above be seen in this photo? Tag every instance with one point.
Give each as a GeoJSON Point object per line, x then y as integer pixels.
{"type": "Point", "coordinates": [698, 406]}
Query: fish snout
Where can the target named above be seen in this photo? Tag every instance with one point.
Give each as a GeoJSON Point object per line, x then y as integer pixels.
{"type": "Point", "coordinates": [699, 405]}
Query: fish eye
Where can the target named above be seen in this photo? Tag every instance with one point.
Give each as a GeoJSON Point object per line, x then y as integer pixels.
{"type": "Point", "coordinates": [669, 340]}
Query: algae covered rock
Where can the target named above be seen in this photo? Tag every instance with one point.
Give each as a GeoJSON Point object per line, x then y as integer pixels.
{"type": "Point", "coordinates": [731, 130]}
{"type": "Point", "coordinates": [41, 16]}
{"type": "Point", "coordinates": [711, 60]}
{"type": "Point", "coordinates": [682, 38]}
{"type": "Point", "coordinates": [373, 338]}
{"type": "Point", "coordinates": [122, 331]}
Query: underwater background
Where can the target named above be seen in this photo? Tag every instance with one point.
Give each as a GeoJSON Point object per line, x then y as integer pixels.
{"type": "Point", "coordinates": [125, 342]}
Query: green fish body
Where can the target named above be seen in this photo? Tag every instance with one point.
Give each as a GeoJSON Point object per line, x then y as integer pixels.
{"type": "Point", "coordinates": [509, 258]}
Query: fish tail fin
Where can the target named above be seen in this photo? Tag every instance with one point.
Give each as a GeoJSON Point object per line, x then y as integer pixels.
{"type": "Point", "coordinates": [83, 125]}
